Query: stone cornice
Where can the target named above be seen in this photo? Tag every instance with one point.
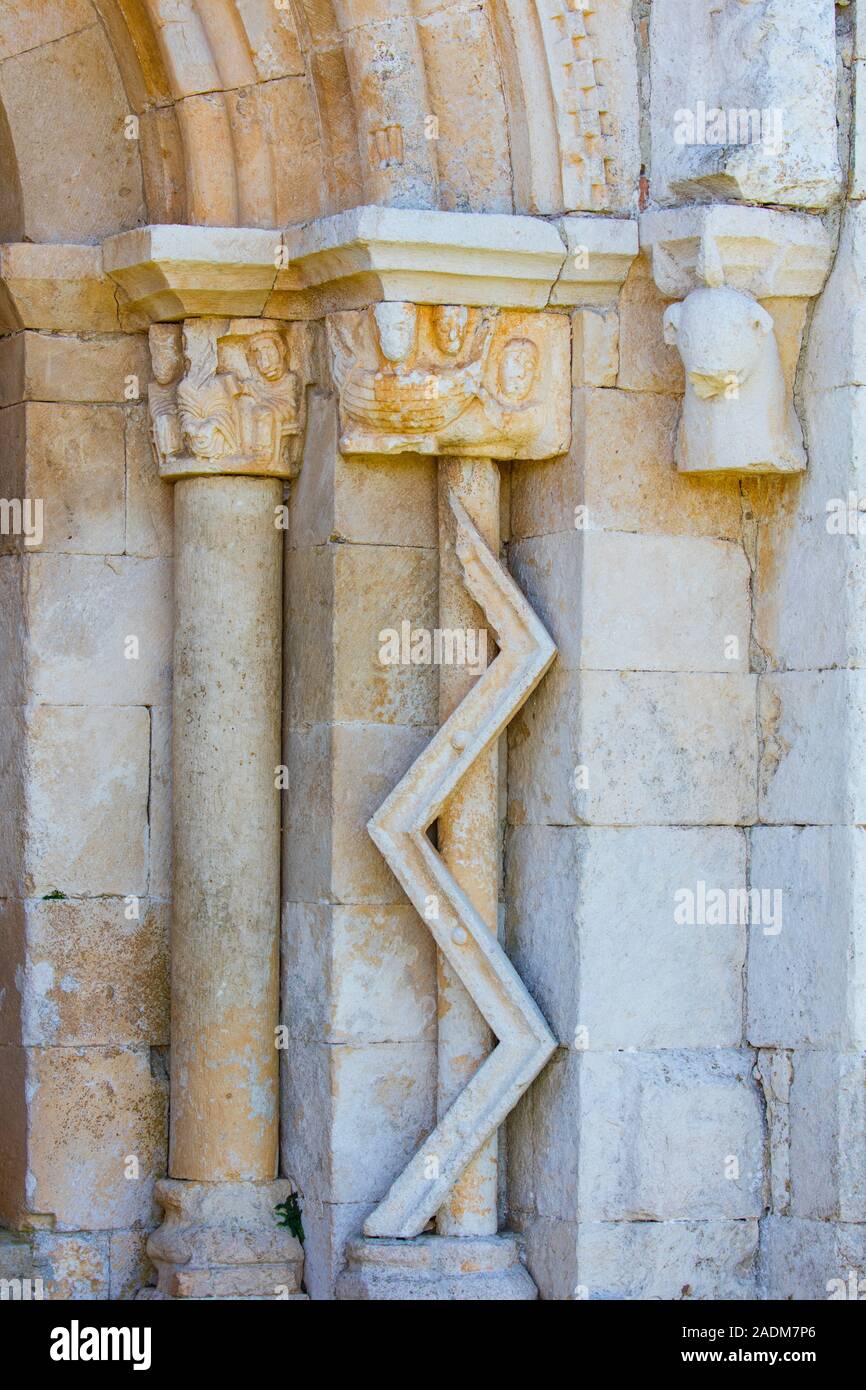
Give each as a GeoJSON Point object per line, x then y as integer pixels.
{"type": "Point", "coordinates": [165, 273]}
{"type": "Point", "coordinates": [760, 251]}
{"type": "Point", "coordinates": [174, 272]}
{"type": "Point", "coordinates": [493, 259]}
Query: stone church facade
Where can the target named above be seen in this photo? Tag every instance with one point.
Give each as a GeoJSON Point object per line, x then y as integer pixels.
{"type": "Point", "coordinates": [431, 648]}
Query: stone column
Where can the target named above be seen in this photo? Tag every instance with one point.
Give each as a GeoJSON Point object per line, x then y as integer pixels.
{"type": "Point", "coordinates": [221, 435]}
{"type": "Point", "coordinates": [468, 838]}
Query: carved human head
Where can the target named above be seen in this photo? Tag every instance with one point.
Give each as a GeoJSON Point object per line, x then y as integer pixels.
{"type": "Point", "coordinates": [449, 327]}
{"type": "Point", "coordinates": [720, 334]}
{"type": "Point", "coordinates": [166, 355]}
{"type": "Point", "coordinates": [207, 419]}
{"type": "Point", "coordinates": [397, 323]}
{"type": "Point", "coordinates": [518, 368]}
{"type": "Point", "coordinates": [268, 352]}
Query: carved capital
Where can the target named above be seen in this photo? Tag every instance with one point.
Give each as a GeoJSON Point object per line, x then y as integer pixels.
{"type": "Point", "coordinates": [447, 379]}
{"type": "Point", "coordinates": [225, 398]}
{"type": "Point", "coordinates": [738, 413]}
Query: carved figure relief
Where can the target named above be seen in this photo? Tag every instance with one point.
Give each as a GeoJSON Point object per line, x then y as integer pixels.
{"type": "Point", "coordinates": [224, 400]}
{"type": "Point", "coordinates": [738, 416]}
{"type": "Point", "coordinates": [445, 379]}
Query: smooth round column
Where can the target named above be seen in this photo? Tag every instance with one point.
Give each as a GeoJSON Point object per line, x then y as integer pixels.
{"type": "Point", "coordinates": [226, 746]}
{"type": "Point", "coordinates": [468, 839]}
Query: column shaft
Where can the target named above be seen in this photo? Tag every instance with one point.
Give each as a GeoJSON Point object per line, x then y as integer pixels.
{"type": "Point", "coordinates": [468, 834]}
{"type": "Point", "coordinates": [224, 1001]}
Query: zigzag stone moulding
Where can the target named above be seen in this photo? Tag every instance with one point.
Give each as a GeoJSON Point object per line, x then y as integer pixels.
{"type": "Point", "coordinates": [399, 828]}
{"type": "Point", "coordinates": [451, 380]}
{"type": "Point", "coordinates": [472, 386]}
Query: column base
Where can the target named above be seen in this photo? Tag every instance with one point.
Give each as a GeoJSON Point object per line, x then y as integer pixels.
{"type": "Point", "coordinates": [222, 1240]}
{"type": "Point", "coordinates": [432, 1267]}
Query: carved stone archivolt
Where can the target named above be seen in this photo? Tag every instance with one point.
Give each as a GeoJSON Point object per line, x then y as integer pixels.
{"type": "Point", "coordinates": [225, 398]}
{"type": "Point", "coordinates": [446, 379]}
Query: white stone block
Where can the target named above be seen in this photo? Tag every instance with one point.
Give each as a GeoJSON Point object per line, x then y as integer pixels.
{"type": "Point", "coordinates": [778, 60]}
{"type": "Point", "coordinates": [661, 1132]}
{"type": "Point", "coordinates": [354, 1116]}
{"type": "Point", "coordinates": [635, 748]}
{"type": "Point", "coordinates": [811, 1261]}
{"type": "Point", "coordinates": [828, 1120]}
{"type": "Point", "coordinates": [100, 629]}
{"type": "Point", "coordinates": [807, 982]}
{"type": "Point", "coordinates": [813, 747]}
{"type": "Point", "coordinates": [357, 974]}
{"type": "Point", "coordinates": [87, 801]}
{"type": "Point", "coordinates": [592, 930]}
{"type": "Point", "coordinates": [670, 1260]}
{"type": "Point", "coordinates": [614, 601]}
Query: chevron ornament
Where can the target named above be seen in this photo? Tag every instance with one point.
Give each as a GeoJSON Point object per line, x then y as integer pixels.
{"type": "Point", "coordinates": [399, 829]}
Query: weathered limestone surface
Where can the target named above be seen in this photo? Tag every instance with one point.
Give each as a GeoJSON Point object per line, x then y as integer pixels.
{"type": "Point", "coordinates": [777, 62]}
{"type": "Point", "coordinates": [475, 173]}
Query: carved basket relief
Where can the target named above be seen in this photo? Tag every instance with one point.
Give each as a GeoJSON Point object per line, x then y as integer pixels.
{"type": "Point", "coordinates": [444, 379]}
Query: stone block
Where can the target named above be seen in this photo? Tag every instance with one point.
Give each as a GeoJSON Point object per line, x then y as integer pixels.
{"type": "Point", "coordinates": [544, 1142]}
{"type": "Point", "coordinates": [129, 1267]}
{"type": "Point", "coordinates": [79, 72]}
{"type": "Point", "coordinates": [354, 1116]}
{"type": "Point", "coordinates": [68, 368]}
{"type": "Point", "coordinates": [670, 1136]}
{"type": "Point", "coordinates": [377, 590]}
{"type": "Point", "coordinates": [670, 1260]}
{"type": "Point", "coordinates": [634, 748]}
{"type": "Point", "coordinates": [84, 973]}
{"type": "Point", "coordinates": [646, 362]}
{"type": "Point", "coordinates": [812, 1261]}
{"type": "Point", "coordinates": [806, 777]}
{"type": "Point", "coordinates": [338, 777]}
{"type": "Point", "coordinates": [84, 614]}
{"type": "Point", "coordinates": [92, 843]}
{"type": "Point", "coordinates": [71, 459]}
{"type": "Point", "coordinates": [149, 500]}
{"type": "Point", "coordinates": [550, 1247]}
{"type": "Point", "coordinates": [806, 983]}
{"type": "Point", "coordinates": [592, 930]}
{"type": "Point", "coordinates": [836, 347]}
{"type": "Point", "coordinates": [309, 636]}
{"type": "Point", "coordinates": [773, 1070]}
{"type": "Point", "coordinates": [57, 288]}
{"type": "Point", "coordinates": [327, 1227]}
{"type": "Point", "coordinates": [595, 347]}
{"type": "Point", "coordinates": [613, 601]}
{"type": "Point", "coordinates": [828, 1119]}
{"type": "Point", "coordinates": [357, 975]}
{"type": "Point", "coordinates": [619, 476]}
{"type": "Point", "coordinates": [30, 26]}
{"type": "Point", "coordinates": [785, 66]}
{"type": "Point", "coordinates": [462, 71]}
{"type": "Point", "coordinates": [368, 498]}
{"type": "Point", "coordinates": [73, 1268]}
{"type": "Point", "coordinates": [93, 1110]}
